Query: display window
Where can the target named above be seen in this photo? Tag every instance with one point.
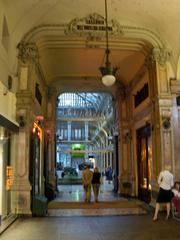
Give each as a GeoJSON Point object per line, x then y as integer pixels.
{"type": "Point", "coordinates": [6, 172]}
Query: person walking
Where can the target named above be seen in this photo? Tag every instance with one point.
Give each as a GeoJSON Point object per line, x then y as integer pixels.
{"type": "Point", "coordinates": [96, 181]}
{"type": "Point", "coordinates": [86, 181]}
{"type": "Point", "coordinates": [166, 182]}
{"type": "Point", "coordinates": [109, 174]}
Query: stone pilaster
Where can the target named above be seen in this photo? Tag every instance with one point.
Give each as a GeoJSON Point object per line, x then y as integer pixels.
{"type": "Point", "coordinates": [21, 191]}
{"type": "Point", "coordinates": [21, 188]}
{"type": "Point", "coordinates": [126, 151]}
{"type": "Point", "coordinates": [50, 128]}
{"type": "Point", "coordinates": [163, 143]}
{"type": "Point", "coordinates": [161, 57]}
{"type": "Point", "coordinates": [175, 90]}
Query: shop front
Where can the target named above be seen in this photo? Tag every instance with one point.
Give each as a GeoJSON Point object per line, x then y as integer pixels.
{"type": "Point", "coordinates": [7, 138]}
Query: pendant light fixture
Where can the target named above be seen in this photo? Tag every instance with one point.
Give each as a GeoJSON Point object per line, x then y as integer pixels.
{"type": "Point", "coordinates": [108, 72]}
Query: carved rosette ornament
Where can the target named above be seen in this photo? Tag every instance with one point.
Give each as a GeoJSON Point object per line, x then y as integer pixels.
{"type": "Point", "coordinates": [27, 51]}
{"type": "Point", "coordinates": [93, 26]}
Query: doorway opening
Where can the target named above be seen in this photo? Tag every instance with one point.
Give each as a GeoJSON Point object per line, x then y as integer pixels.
{"type": "Point", "coordinates": [144, 163]}
{"type": "Point", "coordinates": [84, 136]}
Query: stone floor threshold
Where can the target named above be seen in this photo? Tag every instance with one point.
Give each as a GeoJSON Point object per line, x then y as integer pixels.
{"type": "Point", "coordinates": [95, 212]}
{"type": "Point", "coordinates": [7, 222]}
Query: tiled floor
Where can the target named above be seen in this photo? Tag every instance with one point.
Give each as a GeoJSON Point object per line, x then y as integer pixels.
{"type": "Point", "coordinates": [139, 227]}
{"type": "Point", "coordinates": [136, 227]}
{"type": "Point", "coordinates": [75, 193]}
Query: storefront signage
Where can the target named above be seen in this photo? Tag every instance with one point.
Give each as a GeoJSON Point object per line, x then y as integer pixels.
{"type": "Point", "coordinates": [94, 24]}
{"type": "Point", "coordinates": [9, 177]}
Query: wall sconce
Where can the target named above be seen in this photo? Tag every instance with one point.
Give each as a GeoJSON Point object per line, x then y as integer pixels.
{"type": "Point", "coordinates": [128, 135]}
{"type": "Point", "coordinates": [166, 123]}
{"type": "Point", "coordinates": [21, 121]}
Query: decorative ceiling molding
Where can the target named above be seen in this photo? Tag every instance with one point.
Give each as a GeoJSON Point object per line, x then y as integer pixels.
{"type": "Point", "coordinates": [73, 42]}
{"type": "Point", "coordinates": [84, 33]}
{"type": "Point", "coordinates": [85, 28]}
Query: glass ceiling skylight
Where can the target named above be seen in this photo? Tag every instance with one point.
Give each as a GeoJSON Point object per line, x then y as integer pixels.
{"type": "Point", "coordinates": [83, 100]}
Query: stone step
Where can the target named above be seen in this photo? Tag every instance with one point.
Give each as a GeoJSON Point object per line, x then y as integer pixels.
{"type": "Point", "coordinates": [101, 208]}
{"type": "Point", "coordinates": [7, 222]}
{"type": "Point", "coordinates": [95, 212]}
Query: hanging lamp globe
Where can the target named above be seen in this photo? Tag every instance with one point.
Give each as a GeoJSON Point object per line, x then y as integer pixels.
{"type": "Point", "coordinates": [108, 72]}
{"type": "Point", "coordinates": [108, 75]}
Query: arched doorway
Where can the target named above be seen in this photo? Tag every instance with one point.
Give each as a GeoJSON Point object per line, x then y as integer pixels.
{"type": "Point", "coordinates": [84, 136]}
{"type": "Point", "coordinates": [69, 63]}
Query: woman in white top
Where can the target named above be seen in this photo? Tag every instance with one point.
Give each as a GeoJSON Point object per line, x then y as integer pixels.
{"type": "Point", "coordinates": [165, 181]}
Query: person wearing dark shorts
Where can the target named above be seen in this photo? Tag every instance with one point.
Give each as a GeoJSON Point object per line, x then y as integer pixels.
{"type": "Point", "coordinates": [96, 181]}
{"type": "Point", "coordinates": [165, 181]}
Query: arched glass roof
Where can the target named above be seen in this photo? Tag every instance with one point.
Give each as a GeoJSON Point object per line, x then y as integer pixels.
{"type": "Point", "coordinates": [83, 100]}
{"type": "Point", "coordinates": [82, 118]}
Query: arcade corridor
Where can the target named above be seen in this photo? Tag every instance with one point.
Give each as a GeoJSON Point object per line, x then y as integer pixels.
{"type": "Point", "coordinates": [87, 82]}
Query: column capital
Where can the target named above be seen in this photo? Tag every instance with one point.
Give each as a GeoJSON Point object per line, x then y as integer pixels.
{"type": "Point", "coordinates": [27, 51]}
{"type": "Point", "coordinates": [161, 55]}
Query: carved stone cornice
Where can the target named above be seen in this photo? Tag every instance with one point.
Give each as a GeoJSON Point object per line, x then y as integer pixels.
{"type": "Point", "coordinates": [28, 51]}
